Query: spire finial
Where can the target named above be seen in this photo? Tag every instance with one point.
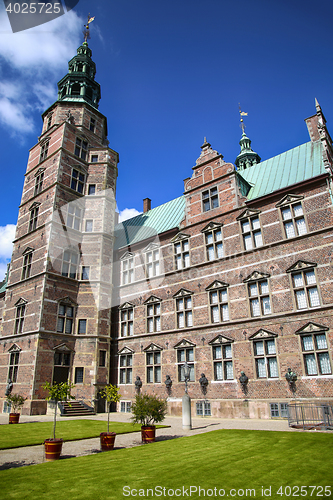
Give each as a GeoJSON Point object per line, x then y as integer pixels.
{"type": "Point", "coordinates": [86, 31]}
{"type": "Point", "coordinates": [242, 113]}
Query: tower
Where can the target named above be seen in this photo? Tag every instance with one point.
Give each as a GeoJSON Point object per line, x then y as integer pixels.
{"type": "Point", "coordinates": [56, 321]}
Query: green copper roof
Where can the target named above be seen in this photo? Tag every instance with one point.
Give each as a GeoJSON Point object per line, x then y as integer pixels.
{"type": "Point", "coordinates": [156, 221]}
{"type": "Point", "coordinates": [293, 166]}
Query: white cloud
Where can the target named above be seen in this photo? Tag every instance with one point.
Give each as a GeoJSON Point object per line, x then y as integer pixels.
{"type": "Point", "coordinates": [128, 213]}
{"type": "Point", "coordinates": [33, 59]}
{"type": "Point", "coordinates": [7, 234]}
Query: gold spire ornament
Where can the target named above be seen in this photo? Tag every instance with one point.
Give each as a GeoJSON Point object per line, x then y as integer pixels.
{"type": "Point", "coordinates": [242, 113]}
{"type": "Point", "coordinates": [86, 31]}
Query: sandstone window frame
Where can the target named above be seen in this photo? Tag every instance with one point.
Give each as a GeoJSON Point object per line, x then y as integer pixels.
{"type": "Point", "coordinates": [265, 354]}
{"type": "Point", "coordinates": [33, 219]}
{"type": "Point", "coordinates": [315, 348]}
{"type": "Point", "coordinates": [21, 307]}
{"type": "Point", "coordinates": [251, 229]}
{"type": "Point", "coordinates": [74, 216]}
{"type": "Point", "coordinates": [152, 261]}
{"type": "Point", "coordinates": [81, 148]}
{"type": "Point", "coordinates": [304, 284]}
{"type": "Point", "coordinates": [153, 355]}
{"type": "Point", "coordinates": [85, 273]}
{"type": "Point", "coordinates": [49, 121]}
{"type": "Point", "coordinates": [181, 251]}
{"type": "Point", "coordinates": [210, 199]}
{"type": "Point", "coordinates": [70, 263]}
{"type": "Point", "coordinates": [79, 375]}
{"type": "Point", "coordinates": [222, 358]}
{"type": "Point", "coordinates": [44, 150]}
{"type": "Point", "coordinates": [27, 263]}
{"type": "Point", "coordinates": [65, 317]}
{"type": "Point", "coordinates": [78, 180]}
{"type": "Point", "coordinates": [184, 309]}
{"type": "Point", "coordinates": [39, 180]}
{"type": "Point", "coordinates": [126, 320]}
{"type": "Point", "coordinates": [218, 300]}
{"type": "Point", "coordinates": [259, 294]}
{"type": "Point", "coordinates": [213, 240]}
{"type": "Point", "coordinates": [14, 361]}
{"type": "Point", "coordinates": [102, 358]}
{"type": "Point", "coordinates": [185, 351]}
{"type": "Point", "coordinates": [153, 314]}
{"type": "Point", "coordinates": [292, 216]}
{"type": "Point", "coordinates": [92, 124]}
{"type": "Point", "coordinates": [82, 326]}
{"type": "Point", "coordinates": [126, 358]}
{"type": "Point", "coordinates": [127, 268]}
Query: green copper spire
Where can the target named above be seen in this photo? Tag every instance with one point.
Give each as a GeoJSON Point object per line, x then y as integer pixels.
{"type": "Point", "coordinates": [247, 157]}
{"type": "Point", "coordinates": [79, 84]}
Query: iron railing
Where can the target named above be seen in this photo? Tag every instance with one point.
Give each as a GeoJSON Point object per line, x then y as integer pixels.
{"type": "Point", "coordinates": [310, 415]}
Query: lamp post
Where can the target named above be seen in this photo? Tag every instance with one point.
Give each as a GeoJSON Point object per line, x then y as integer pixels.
{"type": "Point", "coordinates": [186, 400]}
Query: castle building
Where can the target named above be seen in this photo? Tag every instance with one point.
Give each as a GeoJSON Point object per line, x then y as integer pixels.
{"type": "Point", "coordinates": [233, 277]}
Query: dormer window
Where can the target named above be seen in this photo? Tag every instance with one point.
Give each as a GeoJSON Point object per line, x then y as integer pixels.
{"type": "Point", "coordinates": [81, 148]}
{"type": "Point", "coordinates": [210, 199]}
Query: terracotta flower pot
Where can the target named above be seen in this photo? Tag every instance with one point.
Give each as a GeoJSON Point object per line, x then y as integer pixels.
{"type": "Point", "coordinates": [107, 440]}
{"type": "Point", "coordinates": [52, 449]}
{"type": "Point", "coordinates": [148, 433]}
{"type": "Point", "coordinates": [14, 418]}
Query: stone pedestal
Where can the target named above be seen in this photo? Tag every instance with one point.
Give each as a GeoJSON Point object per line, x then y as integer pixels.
{"type": "Point", "coordinates": [186, 407]}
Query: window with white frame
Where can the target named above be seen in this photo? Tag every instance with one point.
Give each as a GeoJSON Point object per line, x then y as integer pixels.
{"type": "Point", "coordinates": [259, 298]}
{"type": "Point", "coordinates": [125, 406]}
{"type": "Point", "coordinates": [315, 354]}
{"type": "Point", "coordinates": [152, 263]}
{"type": "Point", "coordinates": [127, 270]}
{"type": "Point", "coordinates": [26, 269]}
{"type": "Point", "coordinates": [74, 216]}
{"type": "Point", "coordinates": [184, 312]}
{"type": "Point", "coordinates": [81, 148]}
{"type": "Point", "coordinates": [210, 199]}
{"type": "Point", "coordinates": [127, 322]}
{"type": "Point", "coordinates": [125, 370]}
{"type": "Point", "coordinates": [265, 358]}
{"type": "Point", "coordinates": [153, 366]}
{"type": "Point", "coordinates": [279, 410]}
{"type": "Point", "coordinates": [214, 244]}
{"type": "Point", "coordinates": [222, 360]}
{"type": "Point", "coordinates": [251, 231]}
{"type": "Point", "coordinates": [219, 308]}
{"type": "Point", "coordinates": [154, 317]}
{"type": "Point", "coordinates": [65, 318]}
{"type": "Point", "coordinates": [203, 409]}
{"type": "Point", "coordinates": [70, 262]}
{"type": "Point", "coordinates": [44, 151]}
{"type": "Point", "coordinates": [185, 354]}
{"type": "Point", "coordinates": [182, 254]}
{"type": "Point", "coordinates": [89, 225]}
{"type": "Point", "coordinates": [13, 366]}
{"type": "Point", "coordinates": [39, 182]}
{"type": "Point", "coordinates": [293, 220]}
{"type": "Point", "coordinates": [77, 181]}
{"type": "Point", "coordinates": [19, 319]}
{"type": "Point", "coordinates": [305, 289]}
{"type": "Point", "coordinates": [33, 217]}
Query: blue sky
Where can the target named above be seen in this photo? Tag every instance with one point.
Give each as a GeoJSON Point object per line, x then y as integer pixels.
{"type": "Point", "coordinates": [171, 73]}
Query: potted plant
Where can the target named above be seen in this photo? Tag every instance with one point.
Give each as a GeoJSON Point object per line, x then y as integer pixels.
{"type": "Point", "coordinates": [148, 410]}
{"type": "Point", "coordinates": [57, 392]}
{"type": "Point", "coordinates": [111, 394]}
{"type": "Point", "coordinates": [16, 402]}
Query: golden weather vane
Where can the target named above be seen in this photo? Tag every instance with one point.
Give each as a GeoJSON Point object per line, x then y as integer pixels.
{"type": "Point", "coordinates": [86, 31]}
{"type": "Point", "coordinates": [241, 114]}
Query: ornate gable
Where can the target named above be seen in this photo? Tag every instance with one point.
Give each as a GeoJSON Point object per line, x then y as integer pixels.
{"type": "Point", "coordinates": [14, 348]}
{"type": "Point", "coordinates": [216, 285]}
{"type": "Point", "coordinates": [300, 265]}
{"type": "Point", "coordinates": [180, 237]}
{"type": "Point", "coordinates": [67, 301]}
{"type": "Point", "coordinates": [289, 198]}
{"type": "Point", "coordinates": [39, 171]}
{"type": "Point", "coordinates": [263, 334]}
{"type": "Point", "coordinates": [211, 226]}
{"type": "Point", "coordinates": [125, 350]}
{"type": "Point", "coordinates": [34, 205]}
{"type": "Point", "coordinates": [256, 276]}
{"type": "Point", "coordinates": [220, 339]}
{"type": "Point", "coordinates": [184, 343]}
{"type": "Point", "coordinates": [126, 305]}
{"type": "Point", "coordinates": [20, 302]}
{"type": "Point", "coordinates": [153, 347]}
{"type": "Point", "coordinates": [182, 293]}
{"type": "Point", "coordinates": [249, 212]}
{"type": "Point", "coordinates": [127, 255]}
{"type": "Point", "coordinates": [62, 348]}
{"type": "Point", "coordinates": [28, 250]}
{"type": "Point", "coordinates": [311, 328]}
{"type": "Point", "coordinates": [150, 247]}
{"type": "Point", "coordinates": [152, 300]}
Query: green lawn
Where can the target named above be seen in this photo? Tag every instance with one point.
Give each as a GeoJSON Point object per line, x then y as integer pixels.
{"type": "Point", "coordinates": [28, 434]}
{"type": "Point", "coordinates": [235, 461]}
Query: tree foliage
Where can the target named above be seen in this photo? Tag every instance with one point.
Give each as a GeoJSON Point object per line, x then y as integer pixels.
{"type": "Point", "coordinates": [148, 409]}
{"type": "Point", "coordinates": [58, 392]}
{"type": "Point", "coordinates": [16, 401]}
{"type": "Point", "coordinates": [112, 395]}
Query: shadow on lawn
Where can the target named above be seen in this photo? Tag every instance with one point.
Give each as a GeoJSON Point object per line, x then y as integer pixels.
{"type": "Point", "coordinates": [15, 465]}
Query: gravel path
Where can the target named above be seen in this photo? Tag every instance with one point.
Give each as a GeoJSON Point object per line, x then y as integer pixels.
{"type": "Point", "coordinates": [30, 455]}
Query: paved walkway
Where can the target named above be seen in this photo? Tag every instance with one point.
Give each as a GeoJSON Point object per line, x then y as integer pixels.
{"type": "Point", "coordinates": [30, 455]}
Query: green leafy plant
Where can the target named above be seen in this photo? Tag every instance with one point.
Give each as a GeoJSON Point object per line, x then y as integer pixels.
{"type": "Point", "coordinates": [148, 409]}
{"type": "Point", "coordinates": [58, 392]}
{"type": "Point", "coordinates": [112, 395]}
{"type": "Point", "coordinates": [16, 401]}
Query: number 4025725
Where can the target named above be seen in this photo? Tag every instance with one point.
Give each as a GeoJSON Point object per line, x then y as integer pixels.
{"type": "Point", "coordinates": [34, 8]}
{"type": "Point", "coordinates": [303, 491]}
